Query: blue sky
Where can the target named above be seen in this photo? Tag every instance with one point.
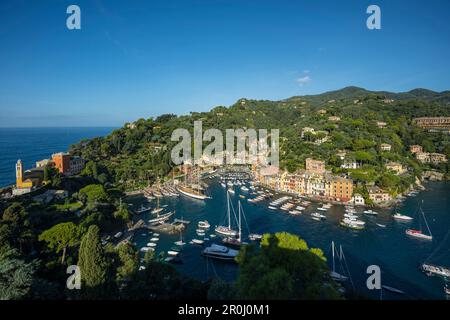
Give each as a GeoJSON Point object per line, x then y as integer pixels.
{"type": "Point", "coordinates": [134, 59]}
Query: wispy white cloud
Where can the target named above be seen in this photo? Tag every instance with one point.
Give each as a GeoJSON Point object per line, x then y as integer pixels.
{"type": "Point", "coordinates": [303, 80]}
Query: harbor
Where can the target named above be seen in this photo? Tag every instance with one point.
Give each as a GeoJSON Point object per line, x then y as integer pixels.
{"type": "Point", "coordinates": [369, 237]}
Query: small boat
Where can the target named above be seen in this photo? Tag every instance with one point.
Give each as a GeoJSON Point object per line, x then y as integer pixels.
{"type": "Point", "coordinates": [146, 249]}
{"type": "Point", "coordinates": [432, 270]}
{"type": "Point", "coordinates": [151, 244]}
{"type": "Point", "coordinates": [173, 259]}
{"type": "Point", "coordinates": [157, 210]}
{"type": "Point", "coordinates": [141, 268]}
{"type": "Point", "coordinates": [351, 225]}
{"type": "Point", "coordinates": [154, 239]}
{"type": "Point", "coordinates": [370, 212]}
{"type": "Point", "coordinates": [255, 236]}
{"type": "Point", "coordinates": [223, 185]}
{"type": "Point", "coordinates": [173, 253]}
{"type": "Point", "coordinates": [143, 209]}
{"type": "Point", "coordinates": [197, 241]}
{"type": "Point", "coordinates": [220, 252]}
{"type": "Point", "coordinates": [180, 242]}
{"type": "Point", "coordinates": [399, 216]}
{"type": "Point", "coordinates": [381, 225]}
{"type": "Point", "coordinates": [161, 218]}
{"type": "Point", "coordinates": [156, 234]}
{"type": "Point", "coordinates": [391, 289]}
{"type": "Point", "coordinates": [204, 224]}
{"type": "Point", "coordinates": [322, 209]}
{"type": "Point", "coordinates": [244, 188]}
{"type": "Point", "coordinates": [241, 196]}
{"type": "Point", "coordinates": [419, 233]}
{"type": "Point", "coordinates": [318, 216]}
{"type": "Point", "coordinates": [273, 208]}
{"type": "Point", "coordinates": [230, 191]}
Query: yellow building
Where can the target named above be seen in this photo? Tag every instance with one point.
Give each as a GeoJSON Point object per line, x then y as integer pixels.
{"type": "Point", "coordinates": [20, 183]}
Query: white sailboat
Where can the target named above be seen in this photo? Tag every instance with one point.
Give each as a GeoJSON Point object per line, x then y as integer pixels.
{"type": "Point", "coordinates": [161, 218]}
{"type": "Point", "coordinates": [335, 275]}
{"type": "Point", "coordinates": [157, 209]}
{"type": "Point", "coordinates": [227, 230]}
{"type": "Point", "coordinates": [180, 242]}
{"type": "Point", "coordinates": [418, 233]}
{"type": "Point", "coordinates": [233, 241]}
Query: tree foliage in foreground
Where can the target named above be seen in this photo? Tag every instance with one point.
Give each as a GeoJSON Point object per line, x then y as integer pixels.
{"type": "Point", "coordinates": [283, 268]}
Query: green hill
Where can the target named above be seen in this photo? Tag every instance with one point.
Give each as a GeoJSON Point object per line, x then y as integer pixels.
{"type": "Point", "coordinates": [138, 153]}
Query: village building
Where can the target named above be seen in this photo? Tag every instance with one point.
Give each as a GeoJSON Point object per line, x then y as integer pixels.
{"type": "Point", "coordinates": [350, 164]}
{"type": "Point", "coordinates": [315, 166]}
{"type": "Point", "coordinates": [396, 167]}
{"type": "Point", "coordinates": [334, 118]}
{"type": "Point", "coordinates": [341, 154]}
{"type": "Point", "coordinates": [341, 189]}
{"type": "Point", "coordinates": [131, 125]}
{"type": "Point", "coordinates": [433, 122]}
{"type": "Point", "coordinates": [28, 180]}
{"type": "Point", "coordinates": [378, 196]}
{"type": "Point", "coordinates": [415, 148]}
{"type": "Point", "coordinates": [358, 200]}
{"type": "Point", "coordinates": [381, 124]}
{"type": "Point", "coordinates": [432, 158]}
{"type": "Point", "coordinates": [67, 164]}
{"type": "Point", "coordinates": [385, 147]}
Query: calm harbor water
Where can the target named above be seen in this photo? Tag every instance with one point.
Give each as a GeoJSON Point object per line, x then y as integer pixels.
{"type": "Point", "coordinates": [33, 144]}
{"type": "Point", "coordinates": [397, 255]}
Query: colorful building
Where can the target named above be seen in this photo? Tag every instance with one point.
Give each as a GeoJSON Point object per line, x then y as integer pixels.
{"type": "Point", "coordinates": [315, 166]}
{"type": "Point", "coordinates": [66, 164]}
{"type": "Point", "coordinates": [415, 148]}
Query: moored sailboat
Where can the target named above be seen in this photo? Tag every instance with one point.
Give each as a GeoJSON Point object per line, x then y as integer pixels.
{"type": "Point", "coordinates": [419, 233]}
{"type": "Point", "coordinates": [227, 230]}
{"type": "Point", "coordinates": [335, 275]}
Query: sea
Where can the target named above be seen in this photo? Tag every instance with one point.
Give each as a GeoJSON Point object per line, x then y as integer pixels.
{"type": "Point", "coordinates": [34, 144]}
{"type": "Point", "coordinates": [397, 255]}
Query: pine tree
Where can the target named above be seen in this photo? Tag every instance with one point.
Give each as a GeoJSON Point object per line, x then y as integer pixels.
{"type": "Point", "coordinates": [92, 262]}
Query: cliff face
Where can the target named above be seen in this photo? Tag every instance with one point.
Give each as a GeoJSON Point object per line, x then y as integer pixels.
{"type": "Point", "coordinates": [433, 176]}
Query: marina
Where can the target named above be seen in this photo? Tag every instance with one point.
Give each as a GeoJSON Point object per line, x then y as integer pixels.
{"type": "Point", "coordinates": [367, 239]}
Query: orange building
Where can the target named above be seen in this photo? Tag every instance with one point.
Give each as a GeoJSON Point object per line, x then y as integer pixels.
{"type": "Point", "coordinates": [62, 162]}
{"type": "Point", "coordinates": [341, 189]}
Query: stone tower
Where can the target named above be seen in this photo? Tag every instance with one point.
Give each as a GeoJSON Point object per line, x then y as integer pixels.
{"type": "Point", "coordinates": [19, 174]}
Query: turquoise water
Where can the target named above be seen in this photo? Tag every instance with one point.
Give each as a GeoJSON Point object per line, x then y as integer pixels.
{"type": "Point", "coordinates": [397, 255]}
{"type": "Point", "coordinates": [33, 144]}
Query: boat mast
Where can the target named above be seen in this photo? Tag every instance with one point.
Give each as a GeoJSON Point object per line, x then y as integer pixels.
{"type": "Point", "coordinates": [239, 220]}
{"type": "Point", "coordinates": [228, 210]}
{"type": "Point", "coordinates": [425, 219]}
{"type": "Point", "coordinates": [332, 249]}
